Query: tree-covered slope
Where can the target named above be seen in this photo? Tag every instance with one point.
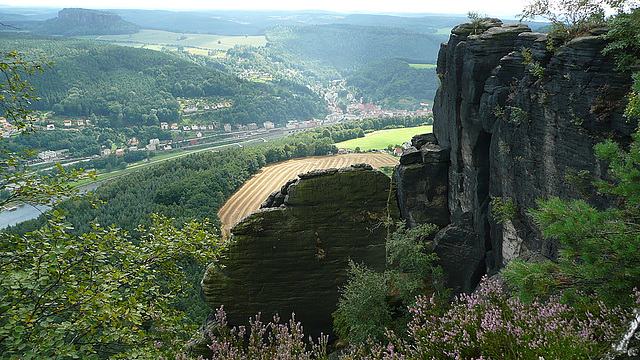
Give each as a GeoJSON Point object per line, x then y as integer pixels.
{"type": "Point", "coordinates": [347, 47]}
{"type": "Point", "coordinates": [127, 86]}
{"type": "Point", "coordinates": [395, 82]}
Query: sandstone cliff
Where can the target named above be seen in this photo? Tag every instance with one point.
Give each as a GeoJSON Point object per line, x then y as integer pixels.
{"type": "Point", "coordinates": [292, 255]}
{"type": "Point", "coordinates": [518, 122]}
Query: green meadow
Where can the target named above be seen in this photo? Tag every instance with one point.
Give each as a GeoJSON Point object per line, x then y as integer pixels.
{"type": "Point", "coordinates": [423, 66]}
{"type": "Point", "coordinates": [382, 139]}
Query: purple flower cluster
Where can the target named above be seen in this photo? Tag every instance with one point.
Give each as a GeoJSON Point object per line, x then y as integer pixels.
{"type": "Point", "coordinates": [266, 341]}
{"type": "Point", "coordinates": [489, 324]}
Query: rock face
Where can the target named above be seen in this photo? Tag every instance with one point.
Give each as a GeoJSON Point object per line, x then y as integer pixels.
{"type": "Point", "coordinates": [292, 255]}
{"type": "Point", "coordinates": [422, 180]}
{"type": "Point", "coordinates": [519, 123]}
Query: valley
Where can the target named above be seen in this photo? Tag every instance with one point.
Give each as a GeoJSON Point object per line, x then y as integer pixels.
{"type": "Point", "coordinates": [319, 167]}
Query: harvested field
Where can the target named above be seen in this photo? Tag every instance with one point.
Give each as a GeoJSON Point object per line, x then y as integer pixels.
{"type": "Point", "coordinates": [249, 197]}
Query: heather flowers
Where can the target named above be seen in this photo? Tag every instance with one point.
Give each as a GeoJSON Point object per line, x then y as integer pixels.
{"type": "Point", "coordinates": [490, 324]}
{"type": "Point", "coordinates": [272, 340]}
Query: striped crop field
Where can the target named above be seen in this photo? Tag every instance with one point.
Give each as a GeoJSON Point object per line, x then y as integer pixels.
{"type": "Point", "coordinates": [270, 178]}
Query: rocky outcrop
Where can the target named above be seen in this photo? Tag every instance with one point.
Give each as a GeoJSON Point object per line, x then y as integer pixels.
{"type": "Point", "coordinates": [292, 254]}
{"type": "Point", "coordinates": [73, 22]}
{"type": "Point", "coordinates": [628, 348]}
{"type": "Point", "coordinates": [422, 182]}
{"type": "Point", "coordinates": [519, 122]}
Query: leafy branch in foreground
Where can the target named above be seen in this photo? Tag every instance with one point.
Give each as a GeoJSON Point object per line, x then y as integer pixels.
{"type": "Point", "coordinates": [571, 17]}
{"type": "Point", "coordinates": [97, 295]}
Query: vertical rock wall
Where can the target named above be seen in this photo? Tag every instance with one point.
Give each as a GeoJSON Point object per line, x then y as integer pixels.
{"type": "Point", "coordinates": [518, 120]}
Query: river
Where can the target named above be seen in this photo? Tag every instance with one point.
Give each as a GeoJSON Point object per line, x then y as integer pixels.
{"type": "Point", "coordinates": [26, 212]}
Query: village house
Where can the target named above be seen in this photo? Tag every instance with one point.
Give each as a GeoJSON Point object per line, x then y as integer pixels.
{"type": "Point", "coordinates": [60, 153]}
{"type": "Point", "coordinates": [133, 142]}
{"type": "Point", "coordinates": [106, 152]}
{"type": "Point", "coordinates": [252, 126]}
{"type": "Point", "coordinates": [47, 155]}
{"type": "Point", "coordinates": [174, 126]}
{"type": "Point", "coordinates": [80, 122]}
{"type": "Point", "coordinates": [268, 125]}
{"type": "Point", "coordinates": [210, 126]}
{"type": "Point", "coordinates": [190, 109]}
{"type": "Point", "coordinates": [164, 126]}
{"type": "Point", "coordinates": [227, 127]}
{"type": "Point", "coordinates": [199, 134]}
{"type": "Point", "coordinates": [67, 123]}
{"type": "Point", "coordinates": [51, 126]}
{"type": "Point", "coordinates": [119, 151]}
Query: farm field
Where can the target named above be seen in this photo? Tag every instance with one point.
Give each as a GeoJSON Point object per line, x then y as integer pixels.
{"type": "Point", "coordinates": [195, 43]}
{"type": "Point", "coordinates": [378, 140]}
{"type": "Point", "coordinates": [249, 197]}
{"type": "Point", "coordinates": [423, 66]}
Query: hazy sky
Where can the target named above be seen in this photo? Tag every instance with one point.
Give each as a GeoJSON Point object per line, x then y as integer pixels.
{"type": "Point", "coordinates": [489, 7]}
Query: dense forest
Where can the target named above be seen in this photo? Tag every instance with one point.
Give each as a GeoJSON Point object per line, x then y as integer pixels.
{"type": "Point", "coordinates": [348, 47]}
{"type": "Point", "coordinates": [125, 86]}
{"type": "Point", "coordinates": [394, 83]}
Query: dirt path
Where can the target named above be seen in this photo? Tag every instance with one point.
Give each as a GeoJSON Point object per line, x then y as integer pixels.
{"type": "Point", "coordinates": [249, 197]}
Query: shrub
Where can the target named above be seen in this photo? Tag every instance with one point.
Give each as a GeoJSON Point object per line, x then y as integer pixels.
{"type": "Point", "coordinates": [265, 341]}
{"type": "Point", "coordinates": [372, 302]}
{"type": "Point", "coordinates": [490, 324]}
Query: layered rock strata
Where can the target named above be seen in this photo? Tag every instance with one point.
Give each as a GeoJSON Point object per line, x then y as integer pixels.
{"type": "Point", "coordinates": [292, 255]}
{"type": "Point", "coordinates": [519, 115]}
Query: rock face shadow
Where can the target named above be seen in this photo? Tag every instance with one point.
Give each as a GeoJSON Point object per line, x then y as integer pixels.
{"type": "Point", "coordinates": [292, 255]}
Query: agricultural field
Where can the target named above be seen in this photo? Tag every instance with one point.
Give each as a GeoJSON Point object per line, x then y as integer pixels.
{"type": "Point", "coordinates": [378, 140]}
{"type": "Point", "coordinates": [249, 197]}
{"type": "Point", "coordinates": [166, 40]}
{"type": "Point", "coordinates": [423, 66]}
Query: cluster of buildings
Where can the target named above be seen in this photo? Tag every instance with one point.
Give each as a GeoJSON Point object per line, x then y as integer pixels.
{"type": "Point", "coordinates": [50, 155]}
{"type": "Point", "coordinates": [6, 128]}
{"type": "Point", "coordinates": [193, 106]}
{"type": "Point", "coordinates": [255, 74]}
{"type": "Point", "coordinates": [350, 108]}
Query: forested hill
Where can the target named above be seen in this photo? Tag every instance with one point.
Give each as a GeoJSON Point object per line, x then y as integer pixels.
{"type": "Point", "coordinates": [247, 22]}
{"type": "Point", "coordinates": [130, 86]}
{"type": "Point", "coordinates": [395, 83]}
{"type": "Point", "coordinates": [347, 47]}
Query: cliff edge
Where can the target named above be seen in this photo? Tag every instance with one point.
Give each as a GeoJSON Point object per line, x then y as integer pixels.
{"type": "Point", "coordinates": [518, 115]}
